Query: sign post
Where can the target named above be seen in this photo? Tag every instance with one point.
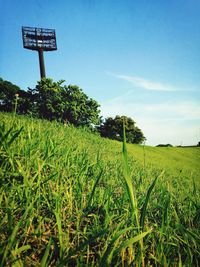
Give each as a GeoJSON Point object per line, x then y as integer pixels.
{"type": "Point", "coordinates": [39, 39]}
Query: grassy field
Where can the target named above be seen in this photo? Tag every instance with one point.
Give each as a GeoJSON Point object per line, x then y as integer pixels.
{"type": "Point", "coordinates": [71, 198]}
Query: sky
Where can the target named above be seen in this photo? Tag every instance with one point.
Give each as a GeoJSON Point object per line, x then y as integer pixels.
{"type": "Point", "coordinates": [138, 58]}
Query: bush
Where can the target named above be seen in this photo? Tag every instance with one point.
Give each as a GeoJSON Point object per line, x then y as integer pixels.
{"type": "Point", "coordinates": [113, 129]}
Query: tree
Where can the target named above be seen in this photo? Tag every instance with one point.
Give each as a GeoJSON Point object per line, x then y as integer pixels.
{"type": "Point", "coordinates": [113, 129]}
{"type": "Point", "coordinates": [164, 145]}
{"type": "Point", "coordinates": [53, 100]}
{"type": "Point", "coordinates": [8, 93]}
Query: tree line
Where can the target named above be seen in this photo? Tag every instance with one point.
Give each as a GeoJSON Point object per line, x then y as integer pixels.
{"type": "Point", "coordinates": [68, 104]}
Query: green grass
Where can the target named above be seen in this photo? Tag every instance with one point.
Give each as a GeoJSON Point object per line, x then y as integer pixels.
{"type": "Point", "coordinates": [71, 198]}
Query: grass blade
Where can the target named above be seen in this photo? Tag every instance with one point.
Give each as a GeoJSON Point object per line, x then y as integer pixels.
{"type": "Point", "coordinates": [46, 254]}
{"type": "Point", "coordinates": [12, 238]}
{"type": "Point", "coordinates": [107, 256]}
{"type": "Point", "coordinates": [127, 178]}
{"type": "Point", "coordinates": [144, 207]}
{"type": "Point", "coordinates": [93, 189]}
{"type": "Point", "coordinates": [60, 232]}
{"type": "Point", "coordinates": [131, 241]}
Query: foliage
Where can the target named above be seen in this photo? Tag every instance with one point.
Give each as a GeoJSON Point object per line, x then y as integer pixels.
{"type": "Point", "coordinates": [113, 129]}
{"type": "Point", "coordinates": [8, 93]}
{"type": "Point", "coordinates": [64, 198]}
{"type": "Point", "coordinates": [164, 145]}
{"type": "Point", "coordinates": [65, 103]}
{"type": "Point", "coordinates": [53, 101]}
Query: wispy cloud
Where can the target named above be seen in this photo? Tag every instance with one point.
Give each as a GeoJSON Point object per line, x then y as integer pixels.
{"type": "Point", "coordinates": [165, 111]}
{"type": "Point", "coordinates": [173, 119]}
{"type": "Point", "coordinates": [166, 122]}
{"type": "Point", "coordinates": [144, 83]}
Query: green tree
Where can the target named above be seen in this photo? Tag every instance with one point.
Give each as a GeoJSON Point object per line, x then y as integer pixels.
{"type": "Point", "coordinates": [113, 129]}
{"type": "Point", "coordinates": [8, 92]}
{"type": "Point", "coordinates": [53, 100]}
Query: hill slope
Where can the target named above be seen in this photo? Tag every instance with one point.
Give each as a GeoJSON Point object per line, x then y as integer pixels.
{"type": "Point", "coordinates": [66, 199]}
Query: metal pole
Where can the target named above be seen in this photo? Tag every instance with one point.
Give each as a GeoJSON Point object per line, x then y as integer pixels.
{"type": "Point", "coordinates": [41, 60]}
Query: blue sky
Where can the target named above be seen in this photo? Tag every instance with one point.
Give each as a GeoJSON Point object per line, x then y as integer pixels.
{"type": "Point", "coordinates": [135, 57]}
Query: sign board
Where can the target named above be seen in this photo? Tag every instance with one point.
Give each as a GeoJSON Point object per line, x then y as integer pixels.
{"type": "Point", "coordinates": [39, 38]}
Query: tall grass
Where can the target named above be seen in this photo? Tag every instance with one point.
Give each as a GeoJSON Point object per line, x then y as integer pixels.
{"type": "Point", "coordinates": [71, 198]}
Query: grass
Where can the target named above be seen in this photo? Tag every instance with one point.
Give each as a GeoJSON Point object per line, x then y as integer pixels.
{"type": "Point", "coordinates": [71, 198]}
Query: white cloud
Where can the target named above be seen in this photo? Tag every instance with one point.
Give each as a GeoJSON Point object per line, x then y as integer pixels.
{"type": "Point", "coordinates": [173, 121]}
{"type": "Point", "coordinates": [165, 111]}
{"type": "Point", "coordinates": [168, 122]}
{"type": "Point", "coordinates": [169, 132]}
{"type": "Point", "coordinates": [145, 84]}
